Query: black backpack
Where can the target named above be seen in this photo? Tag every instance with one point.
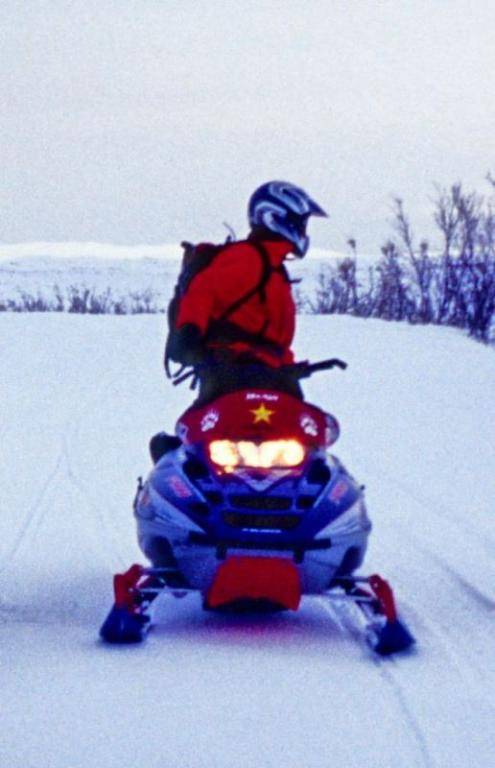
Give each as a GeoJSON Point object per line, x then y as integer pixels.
{"type": "Point", "coordinates": [195, 259]}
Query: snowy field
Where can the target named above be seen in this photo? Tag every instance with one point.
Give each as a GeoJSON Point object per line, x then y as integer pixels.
{"type": "Point", "coordinates": [80, 397]}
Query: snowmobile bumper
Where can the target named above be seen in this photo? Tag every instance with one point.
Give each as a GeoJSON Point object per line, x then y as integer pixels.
{"type": "Point", "coordinates": [269, 579]}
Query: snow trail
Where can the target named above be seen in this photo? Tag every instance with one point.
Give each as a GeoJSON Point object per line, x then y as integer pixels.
{"type": "Point", "coordinates": [80, 397]}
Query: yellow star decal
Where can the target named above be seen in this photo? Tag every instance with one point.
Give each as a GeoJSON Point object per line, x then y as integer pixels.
{"type": "Point", "coordinates": [261, 413]}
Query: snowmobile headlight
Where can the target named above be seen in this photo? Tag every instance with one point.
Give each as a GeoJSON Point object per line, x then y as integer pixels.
{"type": "Point", "coordinates": [271, 453]}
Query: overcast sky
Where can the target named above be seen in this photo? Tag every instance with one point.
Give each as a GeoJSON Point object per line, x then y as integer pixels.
{"type": "Point", "coordinates": [153, 120]}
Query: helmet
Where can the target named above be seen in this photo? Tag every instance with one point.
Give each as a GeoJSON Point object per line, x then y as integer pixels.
{"type": "Point", "coordinates": [284, 209]}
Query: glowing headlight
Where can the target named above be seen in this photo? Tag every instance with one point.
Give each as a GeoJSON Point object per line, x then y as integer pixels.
{"type": "Point", "coordinates": [271, 453]}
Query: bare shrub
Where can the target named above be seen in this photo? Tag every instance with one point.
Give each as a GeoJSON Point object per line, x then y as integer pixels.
{"type": "Point", "coordinates": [455, 287]}
{"type": "Point", "coordinates": [83, 300]}
{"type": "Point", "coordinates": [337, 289]}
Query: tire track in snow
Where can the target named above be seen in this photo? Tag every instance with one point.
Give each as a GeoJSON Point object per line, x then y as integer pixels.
{"type": "Point", "coordinates": [465, 656]}
{"type": "Point", "coordinates": [453, 628]}
{"type": "Point", "coordinates": [444, 548]}
{"type": "Point", "coordinates": [438, 509]}
{"type": "Point", "coordinates": [487, 603]}
{"type": "Point", "coordinates": [410, 718]}
{"type": "Point", "coordinates": [70, 438]}
{"type": "Point", "coordinates": [472, 590]}
{"type": "Point", "coordinates": [458, 662]}
{"type": "Point", "coordinates": [34, 515]}
{"type": "Point", "coordinates": [462, 664]}
{"type": "Point", "coordinates": [342, 616]}
{"type": "Point", "coordinates": [37, 510]}
{"type": "Point", "coordinates": [112, 543]}
{"type": "Point", "coordinates": [453, 603]}
{"type": "Point", "coordinates": [62, 470]}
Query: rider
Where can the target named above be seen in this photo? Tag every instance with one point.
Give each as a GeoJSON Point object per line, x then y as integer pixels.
{"type": "Point", "coordinates": [236, 320]}
{"type": "Point", "coordinates": [235, 323]}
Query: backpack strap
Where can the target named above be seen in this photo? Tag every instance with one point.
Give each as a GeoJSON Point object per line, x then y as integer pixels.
{"type": "Point", "coordinates": [220, 330]}
{"type": "Point", "coordinates": [260, 287]}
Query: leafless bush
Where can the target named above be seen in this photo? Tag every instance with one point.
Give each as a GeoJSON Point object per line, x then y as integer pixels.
{"type": "Point", "coordinates": [337, 290]}
{"type": "Point", "coordinates": [455, 287]}
{"type": "Point", "coordinates": [83, 300]}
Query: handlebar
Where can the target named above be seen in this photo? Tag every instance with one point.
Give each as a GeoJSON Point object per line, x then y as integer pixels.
{"type": "Point", "coordinates": [305, 369]}
{"type": "Point", "coordinates": [302, 370]}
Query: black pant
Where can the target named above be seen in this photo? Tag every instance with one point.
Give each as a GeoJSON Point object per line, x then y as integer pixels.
{"type": "Point", "coordinates": [224, 378]}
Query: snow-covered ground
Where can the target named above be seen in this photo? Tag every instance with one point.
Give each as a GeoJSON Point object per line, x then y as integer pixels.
{"type": "Point", "coordinates": [80, 397]}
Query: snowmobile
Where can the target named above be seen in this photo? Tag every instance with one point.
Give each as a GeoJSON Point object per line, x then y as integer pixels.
{"type": "Point", "coordinates": [251, 510]}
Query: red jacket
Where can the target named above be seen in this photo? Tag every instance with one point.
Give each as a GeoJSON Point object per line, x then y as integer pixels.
{"type": "Point", "coordinates": [233, 273]}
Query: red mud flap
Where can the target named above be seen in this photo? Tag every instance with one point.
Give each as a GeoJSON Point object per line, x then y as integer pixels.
{"type": "Point", "coordinates": [256, 578]}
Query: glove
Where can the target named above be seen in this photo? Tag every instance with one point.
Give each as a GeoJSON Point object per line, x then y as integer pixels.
{"type": "Point", "coordinates": [185, 345]}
